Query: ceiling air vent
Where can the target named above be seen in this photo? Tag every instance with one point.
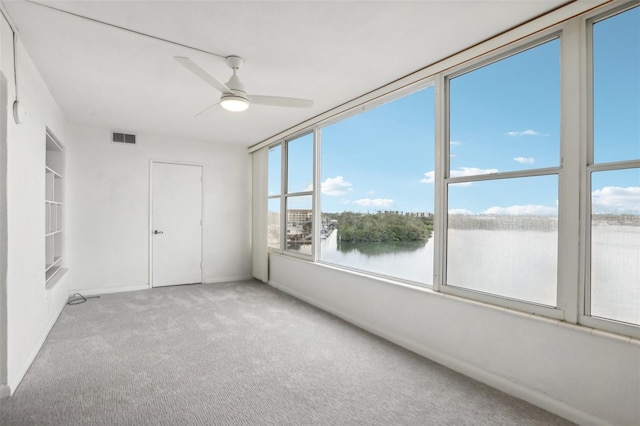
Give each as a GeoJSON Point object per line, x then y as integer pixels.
{"type": "Point", "coordinates": [124, 138]}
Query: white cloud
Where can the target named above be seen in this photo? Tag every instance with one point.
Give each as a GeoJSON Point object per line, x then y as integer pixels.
{"type": "Point", "coordinates": [527, 132]}
{"type": "Point", "coordinates": [460, 211]}
{"type": "Point", "coordinates": [452, 155]}
{"type": "Point", "coordinates": [429, 177]}
{"type": "Point", "coordinates": [526, 210]}
{"type": "Point", "coordinates": [525, 160]}
{"type": "Point", "coordinates": [455, 143]}
{"type": "Point", "coordinates": [371, 192]}
{"type": "Point", "coordinates": [374, 202]}
{"type": "Point", "coordinates": [615, 199]}
{"type": "Point", "coordinates": [336, 186]}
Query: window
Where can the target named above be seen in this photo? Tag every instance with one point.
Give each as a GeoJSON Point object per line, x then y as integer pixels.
{"type": "Point", "coordinates": [502, 181]}
{"type": "Point", "coordinates": [509, 248]}
{"type": "Point", "coordinates": [377, 192]}
{"type": "Point", "coordinates": [485, 185]}
{"type": "Point", "coordinates": [274, 190]}
{"type": "Point", "coordinates": [299, 202]}
{"type": "Point", "coordinates": [614, 170]}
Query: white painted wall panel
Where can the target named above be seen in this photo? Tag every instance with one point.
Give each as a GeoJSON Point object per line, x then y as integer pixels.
{"type": "Point", "coordinates": [31, 308]}
{"type": "Point", "coordinates": [107, 202]}
{"type": "Point", "coordinates": [586, 377]}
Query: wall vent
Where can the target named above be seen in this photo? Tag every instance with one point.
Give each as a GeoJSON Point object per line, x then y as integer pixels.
{"type": "Point", "coordinates": [124, 138]}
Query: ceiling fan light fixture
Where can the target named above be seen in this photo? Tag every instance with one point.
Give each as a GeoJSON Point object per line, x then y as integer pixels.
{"type": "Point", "coordinates": [234, 103]}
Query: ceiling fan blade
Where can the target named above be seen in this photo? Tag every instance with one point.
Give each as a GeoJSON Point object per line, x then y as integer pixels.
{"type": "Point", "coordinates": [200, 72]}
{"type": "Point", "coordinates": [280, 101]}
{"type": "Point", "coordinates": [206, 109]}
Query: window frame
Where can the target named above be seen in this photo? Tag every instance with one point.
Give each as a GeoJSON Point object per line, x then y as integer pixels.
{"type": "Point", "coordinates": [573, 170]}
{"type": "Point", "coordinates": [285, 195]}
{"type": "Point", "coordinates": [556, 33]}
{"type": "Point", "coordinates": [275, 197]}
{"type": "Point", "coordinates": [589, 167]}
{"type": "Point", "coordinates": [354, 112]}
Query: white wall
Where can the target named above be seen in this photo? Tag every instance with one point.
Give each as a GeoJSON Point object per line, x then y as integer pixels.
{"type": "Point", "coordinates": [107, 205]}
{"type": "Point", "coordinates": [583, 375]}
{"type": "Point", "coordinates": [31, 308]}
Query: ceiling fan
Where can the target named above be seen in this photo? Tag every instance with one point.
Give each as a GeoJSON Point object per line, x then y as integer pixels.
{"type": "Point", "coordinates": [234, 96]}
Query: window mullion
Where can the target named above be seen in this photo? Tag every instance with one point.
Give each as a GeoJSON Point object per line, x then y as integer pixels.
{"type": "Point", "coordinates": [440, 193]}
{"type": "Point", "coordinates": [572, 152]}
{"type": "Point", "coordinates": [317, 190]}
{"type": "Point", "coordinates": [283, 191]}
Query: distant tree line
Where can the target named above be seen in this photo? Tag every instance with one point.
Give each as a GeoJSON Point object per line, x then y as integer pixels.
{"type": "Point", "coordinates": [381, 227]}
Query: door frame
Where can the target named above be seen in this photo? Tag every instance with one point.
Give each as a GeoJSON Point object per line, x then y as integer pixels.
{"type": "Point", "coordinates": [202, 211]}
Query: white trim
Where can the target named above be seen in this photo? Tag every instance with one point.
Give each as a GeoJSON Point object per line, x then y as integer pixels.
{"type": "Point", "coordinates": [533, 397]}
{"type": "Point", "coordinates": [219, 280]}
{"type": "Point", "coordinates": [13, 384]}
{"type": "Point", "coordinates": [107, 290]}
{"type": "Point", "coordinates": [54, 139]}
{"type": "Point", "coordinates": [514, 174]}
{"type": "Point", "coordinates": [50, 170]}
{"type": "Point", "coordinates": [202, 213]}
{"type": "Point", "coordinates": [441, 164]}
{"type": "Point", "coordinates": [150, 227]}
{"type": "Point", "coordinates": [617, 165]}
{"type": "Point", "coordinates": [55, 277]}
{"type": "Point", "coordinates": [572, 103]}
{"type": "Point", "coordinates": [316, 204]}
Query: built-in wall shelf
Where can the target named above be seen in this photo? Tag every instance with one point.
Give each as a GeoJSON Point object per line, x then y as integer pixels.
{"type": "Point", "coordinates": [53, 207]}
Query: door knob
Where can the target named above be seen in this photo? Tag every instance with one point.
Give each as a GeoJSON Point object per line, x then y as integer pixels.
{"type": "Point", "coordinates": [158, 232]}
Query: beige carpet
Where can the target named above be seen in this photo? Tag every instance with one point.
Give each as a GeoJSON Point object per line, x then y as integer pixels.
{"type": "Point", "coordinates": [239, 353]}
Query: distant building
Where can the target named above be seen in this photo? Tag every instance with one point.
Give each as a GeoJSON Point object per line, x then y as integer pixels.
{"type": "Point", "coordinates": [299, 215]}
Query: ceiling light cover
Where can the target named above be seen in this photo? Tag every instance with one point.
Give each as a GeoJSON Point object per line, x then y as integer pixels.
{"type": "Point", "coordinates": [234, 103]}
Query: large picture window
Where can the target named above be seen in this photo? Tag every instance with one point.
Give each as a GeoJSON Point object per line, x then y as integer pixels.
{"type": "Point", "coordinates": [502, 183]}
{"type": "Point", "coordinates": [614, 169]}
{"type": "Point", "coordinates": [377, 189]}
{"type": "Point", "coordinates": [512, 179]}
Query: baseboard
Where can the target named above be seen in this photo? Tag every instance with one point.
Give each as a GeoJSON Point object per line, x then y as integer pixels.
{"type": "Point", "coordinates": [5, 391]}
{"type": "Point", "coordinates": [533, 397]}
{"type": "Point", "coordinates": [107, 290]}
{"type": "Point", "coordinates": [13, 385]}
{"type": "Point", "coordinates": [227, 279]}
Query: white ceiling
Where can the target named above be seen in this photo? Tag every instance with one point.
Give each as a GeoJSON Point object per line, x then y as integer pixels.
{"type": "Point", "coordinates": [327, 51]}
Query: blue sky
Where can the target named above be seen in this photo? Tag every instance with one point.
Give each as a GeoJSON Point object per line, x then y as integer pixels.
{"type": "Point", "coordinates": [503, 117]}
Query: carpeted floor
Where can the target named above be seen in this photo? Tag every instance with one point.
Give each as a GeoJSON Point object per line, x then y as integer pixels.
{"type": "Point", "coordinates": [239, 353]}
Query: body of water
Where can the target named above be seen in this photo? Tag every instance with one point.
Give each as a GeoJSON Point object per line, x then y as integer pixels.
{"type": "Point", "coordinates": [409, 260]}
{"type": "Point", "coordinates": [519, 264]}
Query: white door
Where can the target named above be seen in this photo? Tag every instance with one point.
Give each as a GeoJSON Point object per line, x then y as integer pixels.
{"type": "Point", "coordinates": [176, 224]}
